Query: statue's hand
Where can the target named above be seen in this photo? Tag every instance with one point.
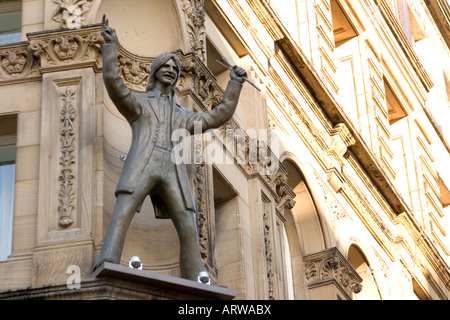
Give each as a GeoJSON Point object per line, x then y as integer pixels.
{"type": "Point", "coordinates": [108, 33]}
{"type": "Point", "coordinates": [238, 74]}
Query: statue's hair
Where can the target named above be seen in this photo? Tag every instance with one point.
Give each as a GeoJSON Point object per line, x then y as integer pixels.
{"type": "Point", "coordinates": [158, 63]}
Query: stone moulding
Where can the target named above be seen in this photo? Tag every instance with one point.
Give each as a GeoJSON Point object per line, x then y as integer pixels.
{"type": "Point", "coordinates": [118, 282]}
{"type": "Point", "coordinates": [330, 266]}
{"type": "Point", "coordinates": [49, 51]}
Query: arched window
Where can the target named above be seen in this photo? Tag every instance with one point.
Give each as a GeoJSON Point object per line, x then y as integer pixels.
{"type": "Point", "coordinates": [305, 212]}
{"type": "Point", "coordinates": [301, 233]}
{"type": "Point", "coordinates": [360, 263]}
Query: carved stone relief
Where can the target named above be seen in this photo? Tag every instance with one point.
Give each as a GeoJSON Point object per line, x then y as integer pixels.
{"type": "Point", "coordinates": [135, 73]}
{"type": "Point", "coordinates": [17, 64]}
{"type": "Point", "coordinates": [197, 77]}
{"type": "Point", "coordinates": [284, 194]}
{"type": "Point", "coordinates": [268, 250]}
{"type": "Point", "coordinates": [71, 13]}
{"type": "Point", "coordinates": [335, 209]}
{"type": "Point", "coordinates": [67, 159]}
{"type": "Point", "coordinates": [68, 48]}
{"type": "Point", "coordinates": [56, 51]}
{"type": "Point", "coordinates": [330, 265]}
{"type": "Point", "coordinates": [194, 11]}
{"type": "Point", "coordinates": [14, 61]}
{"type": "Point", "coordinates": [205, 221]}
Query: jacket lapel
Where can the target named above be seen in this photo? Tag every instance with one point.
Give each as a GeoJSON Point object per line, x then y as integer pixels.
{"type": "Point", "coordinates": [153, 103]}
{"type": "Point", "coordinates": [175, 114]}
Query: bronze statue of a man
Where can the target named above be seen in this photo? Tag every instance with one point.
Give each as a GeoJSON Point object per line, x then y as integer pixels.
{"type": "Point", "coordinates": [148, 168]}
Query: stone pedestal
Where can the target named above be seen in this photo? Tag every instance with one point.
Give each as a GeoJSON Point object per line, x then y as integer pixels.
{"type": "Point", "coordinates": [116, 282]}
{"type": "Point", "coordinates": [158, 286]}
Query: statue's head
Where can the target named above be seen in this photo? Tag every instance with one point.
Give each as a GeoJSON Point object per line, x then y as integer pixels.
{"type": "Point", "coordinates": [162, 60]}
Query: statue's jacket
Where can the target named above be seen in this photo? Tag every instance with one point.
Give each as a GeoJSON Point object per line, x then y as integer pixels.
{"type": "Point", "coordinates": [141, 112]}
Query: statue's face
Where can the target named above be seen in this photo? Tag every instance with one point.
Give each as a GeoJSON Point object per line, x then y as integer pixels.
{"type": "Point", "coordinates": [167, 74]}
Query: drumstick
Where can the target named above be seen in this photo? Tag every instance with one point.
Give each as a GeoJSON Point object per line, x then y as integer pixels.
{"type": "Point", "coordinates": [227, 65]}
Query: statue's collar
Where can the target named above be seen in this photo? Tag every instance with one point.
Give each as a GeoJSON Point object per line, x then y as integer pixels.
{"type": "Point", "coordinates": [151, 94]}
{"type": "Point", "coordinates": [156, 93]}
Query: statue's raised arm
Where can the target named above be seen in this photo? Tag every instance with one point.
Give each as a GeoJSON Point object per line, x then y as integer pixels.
{"type": "Point", "coordinates": [108, 33]}
{"type": "Point", "coordinates": [119, 93]}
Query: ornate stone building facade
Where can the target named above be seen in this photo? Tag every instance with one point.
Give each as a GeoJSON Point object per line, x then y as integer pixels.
{"type": "Point", "coordinates": [331, 182]}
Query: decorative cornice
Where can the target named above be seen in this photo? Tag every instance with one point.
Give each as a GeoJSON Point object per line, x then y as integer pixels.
{"type": "Point", "coordinates": [51, 50]}
{"type": "Point", "coordinates": [259, 8]}
{"type": "Point", "coordinates": [330, 266]}
{"type": "Point", "coordinates": [250, 26]}
{"type": "Point", "coordinates": [198, 79]}
{"type": "Point", "coordinates": [67, 49]}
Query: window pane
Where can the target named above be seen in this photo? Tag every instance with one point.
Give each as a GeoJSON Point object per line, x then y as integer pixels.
{"type": "Point", "coordinates": [10, 38]}
{"type": "Point", "coordinates": [7, 154]}
{"type": "Point", "coordinates": [10, 22]}
{"type": "Point", "coordinates": [10, 26]}
{"type": "Point", "coordinates": [7, 177]}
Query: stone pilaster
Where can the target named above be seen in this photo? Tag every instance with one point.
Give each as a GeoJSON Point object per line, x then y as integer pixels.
{"type": "Point", "coordinates": [69, 60]}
